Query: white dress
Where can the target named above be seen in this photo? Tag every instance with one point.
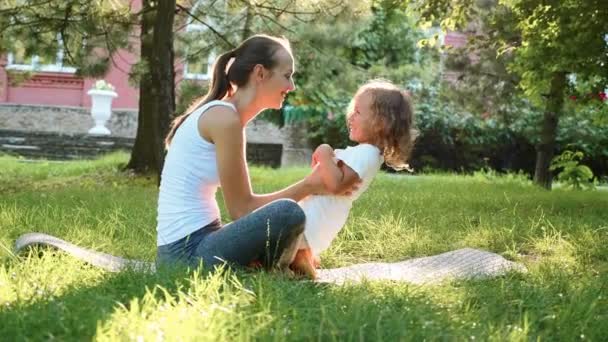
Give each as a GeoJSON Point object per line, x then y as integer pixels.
{"type": "Point", "coordinates": [326, 215]}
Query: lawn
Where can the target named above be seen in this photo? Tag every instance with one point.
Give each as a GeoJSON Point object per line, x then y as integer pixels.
{"type": "Point", "coordinates": [561, 236]}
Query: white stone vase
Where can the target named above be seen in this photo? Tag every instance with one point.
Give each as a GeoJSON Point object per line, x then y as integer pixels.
{"type": "Point", "coordinates": [101, 109]}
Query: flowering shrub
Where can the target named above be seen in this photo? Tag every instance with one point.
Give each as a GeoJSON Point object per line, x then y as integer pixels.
{"type": "Point", "coordinates": [103, 85]}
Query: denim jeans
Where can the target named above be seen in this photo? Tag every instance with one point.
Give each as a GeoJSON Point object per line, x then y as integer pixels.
{"type": "Point", "coordinates": [182, 250]}
{"type": "Point", "coordinates": [266, 235]}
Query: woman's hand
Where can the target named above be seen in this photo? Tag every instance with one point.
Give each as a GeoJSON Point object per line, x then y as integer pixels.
{"type": "Point", "coordinates": [315, 182]}
{"type": "Point", "coordinates": [322, 152]}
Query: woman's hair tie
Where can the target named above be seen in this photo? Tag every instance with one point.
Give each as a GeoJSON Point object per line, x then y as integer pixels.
{"type": "Point", "coordinates": [232, 57]}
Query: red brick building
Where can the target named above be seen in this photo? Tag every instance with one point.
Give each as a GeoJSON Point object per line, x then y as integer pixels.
{"type": "Point", "coordinates": [56, 84]}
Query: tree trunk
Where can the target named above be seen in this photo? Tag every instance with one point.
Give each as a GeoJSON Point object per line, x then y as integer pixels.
{"type": "Point", "coordinates": [156, 87]}
{"type": "Point", "coordinates": [546, 148]}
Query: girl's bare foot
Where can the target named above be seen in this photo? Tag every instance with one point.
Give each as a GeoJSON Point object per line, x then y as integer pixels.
{"type": "Point", "coordinates": [304, 263]}
{"type": "Point", "coordinates": [256, 264]}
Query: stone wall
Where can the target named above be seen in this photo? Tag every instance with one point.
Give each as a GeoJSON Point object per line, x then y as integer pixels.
{"type": "Point", "coordinates": [123, 124]}
{"type": "Point", "coordinates": [60, 146]}
{"type": "Point", "coordinates": [63, 120]}
{"type": "Point", "coordinates": [56, 146]}
{"type": "Point", "coordinates": [295, 147]}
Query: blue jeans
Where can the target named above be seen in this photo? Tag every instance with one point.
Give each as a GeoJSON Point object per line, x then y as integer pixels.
{"type": "Point", "coordinates": [269, 234]}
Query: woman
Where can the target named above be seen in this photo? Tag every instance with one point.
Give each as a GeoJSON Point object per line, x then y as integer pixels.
{"type": "Point", "coordinates": [206, 149]}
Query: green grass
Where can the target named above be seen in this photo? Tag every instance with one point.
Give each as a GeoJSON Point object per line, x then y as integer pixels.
{"type": "Point", "coordinates": [560, 236]}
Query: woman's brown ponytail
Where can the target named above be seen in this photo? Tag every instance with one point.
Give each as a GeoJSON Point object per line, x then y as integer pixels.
{"type": "Point", "coordinates": [256, 50]}
{"type": "Point", "coordinates": [219, 87]}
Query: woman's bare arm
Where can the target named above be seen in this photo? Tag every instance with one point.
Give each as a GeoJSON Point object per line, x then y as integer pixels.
{"type": "Point", "coordinates": [222, 127]}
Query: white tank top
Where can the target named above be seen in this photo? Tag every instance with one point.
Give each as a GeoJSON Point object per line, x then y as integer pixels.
{"type": "Point", "coordinates": [189, 181]}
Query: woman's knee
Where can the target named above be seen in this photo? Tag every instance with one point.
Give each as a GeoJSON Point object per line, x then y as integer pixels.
{"type": "Point", "coordinates": [291, 212]}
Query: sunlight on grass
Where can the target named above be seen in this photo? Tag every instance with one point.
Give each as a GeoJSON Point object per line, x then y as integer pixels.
{"type": "Point", "coordinates": [31, 279]}
{"type": "Point", "coordinates": [560, 236]}
{"type": "Point", "coordinates": [370, 236]}
{"type": "Point", "coordinates": [554, 248]}
{"type": "Point", "coordinates": [210, 308]}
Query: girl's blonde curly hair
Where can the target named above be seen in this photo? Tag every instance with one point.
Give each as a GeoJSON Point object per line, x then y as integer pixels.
{"type": "Point", "coordinates": [393, 127]}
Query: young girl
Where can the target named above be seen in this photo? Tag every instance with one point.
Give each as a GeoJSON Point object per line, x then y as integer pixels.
{"type": "Point", "coordinates": [380, 119]}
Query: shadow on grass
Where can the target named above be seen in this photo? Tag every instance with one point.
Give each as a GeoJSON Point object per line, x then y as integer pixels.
{"type": "Point", "coordinates": [375, 311]}
{"type": "Point", "coordinates": [511, 307]}
{"type": "Point", "coordinates": [544, 305]}
{"type": "Point", "coordinates": [291, 309]}
{"type": "Point", "coordinates": [76, 313]}
{"type": "Point", "coordinates": [553, 305]}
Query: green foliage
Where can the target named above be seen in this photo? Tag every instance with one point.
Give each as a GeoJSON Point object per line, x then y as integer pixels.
{"type": "Point", "coordinates": [88, 32]}
{"type": "Point", "coordinates": [572, 174]}
{"type": "Point", "coordinates": [388, 39]}
{"type": "Point", "coordinates": [586, 130]}
{"type": "Point", "coordinates": [338, 54]}
{"type": "Point", "coordinates": [188, 92]}
{"type": "Point", "coordinates": [484, 83]}
{"type": "Point", "coordinates": [571, 32]}
{"type": "Point", "coordinates": [536, 38]}
{"type": "Point", "coordinates": [542, 42]}
{"type": "Point", "coordinates": [324, 131]}
{"type": "Point", "coordinates": [489, 175]}
{"type": "Point", "coordinates": [453, 139]}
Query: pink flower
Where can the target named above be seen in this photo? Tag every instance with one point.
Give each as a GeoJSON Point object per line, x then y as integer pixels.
{"type": "Point", "coordinates": [603, 96]}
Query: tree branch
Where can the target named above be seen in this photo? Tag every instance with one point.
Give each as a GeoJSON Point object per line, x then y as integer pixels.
{"type": "Point", "coordinates": [281, 11]}
{"type": "Point", "coordinates": [190, 14]}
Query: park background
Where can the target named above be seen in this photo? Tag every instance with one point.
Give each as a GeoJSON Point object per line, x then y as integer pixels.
{"type": "Point", "coordinates": [484, 100]}
{"type": "Point", "coordinates": [510, 101]}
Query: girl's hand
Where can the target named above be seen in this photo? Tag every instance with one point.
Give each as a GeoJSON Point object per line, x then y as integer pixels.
{"type": "Point", "coordinates": [317, 186]}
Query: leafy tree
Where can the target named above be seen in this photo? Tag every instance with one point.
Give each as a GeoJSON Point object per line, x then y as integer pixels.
{"type": "Point", "coordinates": [546, 40]}
{"type": "Point", "coordinates": [88, 32]}
{"type": "Point", "coordinates": [337, 55]}
{"type": "Point", "coordinates": [482, 83]}
{"type": "Point", "coordinates": [91, 31]}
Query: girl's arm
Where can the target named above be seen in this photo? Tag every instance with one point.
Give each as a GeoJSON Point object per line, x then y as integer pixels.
{"type": "Point", "coordinates": [222, 127]}
{"type": "Point", "coordinates": [335, 174]}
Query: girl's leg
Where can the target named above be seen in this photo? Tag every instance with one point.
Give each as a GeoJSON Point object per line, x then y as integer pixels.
{"type": "Point", "coordinates": [264, 235]}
